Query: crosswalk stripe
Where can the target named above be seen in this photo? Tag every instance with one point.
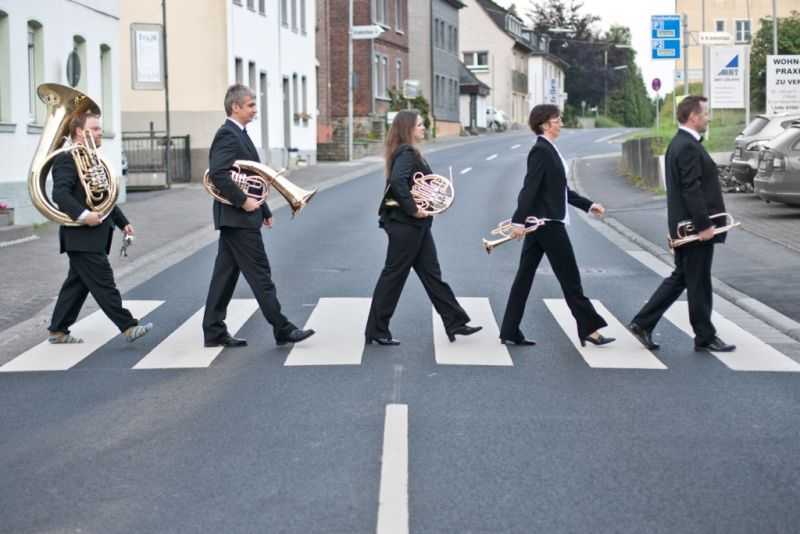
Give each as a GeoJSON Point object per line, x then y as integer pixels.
{"type": "Point", "coordinates": [624, 353]}
{"type": "Point", "coordinates": [482, 348]}
{"type": "Point", "coordinates": [96, 330]}
{"type": "Point", "coordinates": [184, 349]}
{"type": "Point", "coordinates": [393, 492]}
{"type": "Point", "coordinates": [751, 353]}
{"type": "Point", "coordinates": [650, 261]}
{"type": "Point", "coordinates": [339, 323]}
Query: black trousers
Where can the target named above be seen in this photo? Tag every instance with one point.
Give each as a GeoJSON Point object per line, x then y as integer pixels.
{"type": "Point", "coordinates": [242, 250]}
{"type": "Point", "coordinates": [551, 239]}
{"type": "Point", "coordinates": [411, 246]}
{"type": "Point", "coordinates": [693, 273]}
{"type": "Point", "coordinates": [89, 272]}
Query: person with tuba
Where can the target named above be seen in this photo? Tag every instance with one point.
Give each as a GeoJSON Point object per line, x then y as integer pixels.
{"type": "Point", "coordinates": [544, 196]}
{"type": "Point", "coordinates": [410, 240]}
{"type": "Point", "coordinates": [88, 243]}
{"type": "Point", "coordinates": [241, 246]}
{"type": "Point", "coordinates": [693, 193]}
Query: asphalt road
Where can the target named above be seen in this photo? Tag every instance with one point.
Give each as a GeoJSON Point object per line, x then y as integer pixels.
{"type": "Point", "coordinates": [548, 444]}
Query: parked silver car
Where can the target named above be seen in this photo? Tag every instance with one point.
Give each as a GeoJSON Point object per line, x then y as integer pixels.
{"type": "Point", "coordinates": [778, 177]}
{"type": "Point", "coordinates": [744, 161]}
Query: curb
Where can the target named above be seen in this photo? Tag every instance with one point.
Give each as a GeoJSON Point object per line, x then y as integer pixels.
{"type": "Point", "coordinates": [756, 308]}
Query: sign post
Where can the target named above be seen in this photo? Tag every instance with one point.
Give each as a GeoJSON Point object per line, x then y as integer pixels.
{"type": "Point", "coordinates": [656, 85]}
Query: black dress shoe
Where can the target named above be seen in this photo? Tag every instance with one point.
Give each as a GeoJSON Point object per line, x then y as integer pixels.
{"type": "Point", "coordinates": [295, 336]}
{"type": "Point", "coordinates": [385, 341]}
{"type": "Point", "coordinates": [643, 336]}
{"type": "Point", "coordinates": [521, 342]}
{"type": "Point", "coordinates": [464, 330]}
{"type": "Point", "coordinates": [226, 341]}
{"type": "Point", "coordinates": [715, 345]}
{"type": "Point", "coordinates": [599, 340]}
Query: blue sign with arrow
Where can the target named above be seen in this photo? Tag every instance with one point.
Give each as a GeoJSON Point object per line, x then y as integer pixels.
{"type": "Point", "coordinates": [665, 36]}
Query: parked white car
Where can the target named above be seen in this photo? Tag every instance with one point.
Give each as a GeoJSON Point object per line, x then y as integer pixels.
{"type": "Point", "coordinates": [496, 119]}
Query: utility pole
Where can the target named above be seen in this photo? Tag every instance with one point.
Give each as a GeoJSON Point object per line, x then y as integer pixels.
{"type": "Point", "coordinates": [775, 27]}
{"type": "Point", "coordinates": [685, 24]}
{"type": "Point", "coordinates": [605, 81]}
{"type": "Point", "coordinates": [350, 84]}
{"type": "Point", "coordinates": [166, 91]}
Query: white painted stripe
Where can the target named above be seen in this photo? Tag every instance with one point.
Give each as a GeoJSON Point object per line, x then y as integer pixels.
{"type": "Point", "coordinates": [515, 147]}
{"type": "Point", "coordinates": [19, 241]}
{"type": "Point", "coordinates": [96, 330]}
{"type": "Point", "coordinates": [465, 171]}
{"type": "Point", "coordinates": [651, 262]}
{"type": "Point", "coordinates": [490, 158]}
{"type": "Point", "coordinates": [393, 497]}
{"type": "Point", "coordinates": [482, 348]}
{"type": "Point", "coordinates": [609, 137]}
{"type": "Point", "coordinates": [339, 338]}
{"type": "Point", "coordinates": [624, 353]}
{"type": "Point", "coordinates": [184, 349]}
{"type": "Point", "coordinates": [751, 353]}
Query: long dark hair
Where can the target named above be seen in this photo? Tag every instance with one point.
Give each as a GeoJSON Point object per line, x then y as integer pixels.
{"type": "Point", "coordinates": [400, 133]}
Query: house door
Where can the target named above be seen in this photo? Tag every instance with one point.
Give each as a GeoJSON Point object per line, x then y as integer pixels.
{"type": "Point", "coordinates": [473, 111]}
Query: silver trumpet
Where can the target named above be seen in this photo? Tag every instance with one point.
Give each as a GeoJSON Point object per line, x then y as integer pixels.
{"type": "Point", "coordinates": [432, 193]}
{"type": "Point", "coordinates": [504, 229]}
{"type": "Point", "coordinates": [686, 232]}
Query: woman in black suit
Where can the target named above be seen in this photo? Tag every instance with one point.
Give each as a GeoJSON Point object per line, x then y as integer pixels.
{"type": "Point", "coordinates": [545, 195]}
{"type": "Point", "coordinates": [410, 239]}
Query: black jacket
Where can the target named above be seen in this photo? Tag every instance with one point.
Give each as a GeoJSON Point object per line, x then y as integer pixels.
{"type": "Point", "coordinates": [543, 191]}
{"type": "Point", "coordinates": [693, 190]}
{"type": "Point", "coordinates": [406, 162]}
{"type": "Point", "coordinates": [231, 143]}
{"type": "Point", "coordinates": [69, 195]}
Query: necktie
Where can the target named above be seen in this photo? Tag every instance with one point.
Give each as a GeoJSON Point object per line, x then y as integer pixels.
{"type": "Point", "coordinates": [701, 139]}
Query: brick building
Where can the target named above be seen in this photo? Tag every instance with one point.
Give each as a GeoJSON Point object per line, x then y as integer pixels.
{"type": "Point", "coordinates": [379, 65]}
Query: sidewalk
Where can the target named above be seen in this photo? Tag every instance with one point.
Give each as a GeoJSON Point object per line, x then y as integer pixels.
{"type": "Point", "coordinates": [757, 266]}
{"type": "Point", "coordinates": [170, 225]}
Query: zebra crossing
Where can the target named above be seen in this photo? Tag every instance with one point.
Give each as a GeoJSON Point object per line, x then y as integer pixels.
{"type": "Point", "coordinates": [339, 323]}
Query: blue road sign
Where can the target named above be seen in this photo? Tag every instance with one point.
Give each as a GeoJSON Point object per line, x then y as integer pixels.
{"type": "Point", "coordinates": [665, 36]}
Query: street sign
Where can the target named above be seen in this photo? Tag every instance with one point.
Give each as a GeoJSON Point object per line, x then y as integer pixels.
{"type": "Point", "coordinates": [665, 36]}
{"type": "Point", "coordinates": [656, 85]}
{"type": "Point", "coordinates": [410, 89]}
{"type": "Point", "coordinates": [714, 38]}
{"type": "Point", "coordinates": [367, 32]}
{"type": "Point", "coordinates": [783, 83]}
{"type": "Point", "coordinates": [727, 71]}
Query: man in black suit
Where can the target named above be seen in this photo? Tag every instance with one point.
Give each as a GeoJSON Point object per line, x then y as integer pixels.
{"type": "Point", "coordinates": [241, 246]}
{"type": "Point", "coordinates": [693, 193]}
{"type": "Point", "coordinates": [87, 246]}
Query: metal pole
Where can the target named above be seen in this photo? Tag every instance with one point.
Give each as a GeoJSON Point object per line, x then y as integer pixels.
{"type": "Point", "coordinates": [605, 81]}
{"type": "Point", "coordinates": [350, 84]}
{"type": "Point", "coordinates": [774, 27]}
{"type": "Point", "coordinates": [658, 119]}
{"type": "Point", "coordinates": [747, 85]}
{"type": "Point", "coordinates": [166, 90]}
{"type": "Point", "coordinates": [685, 20]}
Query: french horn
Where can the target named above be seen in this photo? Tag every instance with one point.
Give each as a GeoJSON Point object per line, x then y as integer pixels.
{"type": "Point", "coordinates": [432, 193]}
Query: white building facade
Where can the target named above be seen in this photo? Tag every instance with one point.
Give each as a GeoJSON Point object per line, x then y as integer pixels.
{"type": "Point", "coordinates": [36, 40]}
{"type": "Point", "coordinates": [546, 81]}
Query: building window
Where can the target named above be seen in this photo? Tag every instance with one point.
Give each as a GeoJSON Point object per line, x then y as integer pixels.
{"type": "Point", "coordinates": [305, 95]}
{"type": "Point", "coordinates": [742, 31]}
{"type": "Point", "coordinates": [719, 25]}
{"type": "Point", "coordinates": [251, 5]}
{"type": "Point", "coordinates": [435, 32]}
{"type": "Point", "coordinates": [237, 2]}
{"type": "Point", "coordinates": [381, 76]}
{"type": "Point", "coordinates": [379, 11]}
{"type": "Point", "coordinates": [294, 15]}
{"type": "Point", "coordinates": [441, 34]}
{"type": "Point", "coordinates": [251, 74]}
{"type": "Point", "coordinates": [5, 70]}
{"type": "Point", "coordinates": [295, 98]}
{"type": "Point", "coordinates": [35, 70]}
{"type": "Point", "coordinates": [476, 60]}
{"type": "Point", "coordinates": [449, 37]}
{"type": "Point", "coordinates": [398, 15]}
{"type": "Point", "coordinates": [79, 46]}
{"type": "Point", "coordinates": [262, 7]}
{"type": "Point", "coordinates": [399, 74]}
{"type": "Point", "coordinates": [285, 12]}
{"type": "Point", "coordinates": [455, 41]}
{"type": "Point", "coordinates": [303, 16]}
{"type": "Point", "coordinates": [106, 87]}
{"type": "Point", "coordinates": [239, 70]}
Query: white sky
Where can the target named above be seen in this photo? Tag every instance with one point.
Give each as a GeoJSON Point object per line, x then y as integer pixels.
{"type": "Point", "coordinates": [635, 14]}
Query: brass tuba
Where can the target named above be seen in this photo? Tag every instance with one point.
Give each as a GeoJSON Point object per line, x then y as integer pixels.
{"type": "Point", "coordinates": [432, 193]}
{"type": "Point", "coordinates": [94, 171]}
{"type": "Point", "coordinates": [255, 179]}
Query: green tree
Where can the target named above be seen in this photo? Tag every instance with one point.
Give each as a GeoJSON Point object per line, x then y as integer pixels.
{"type": "Point", "coordinates": [788, 43]}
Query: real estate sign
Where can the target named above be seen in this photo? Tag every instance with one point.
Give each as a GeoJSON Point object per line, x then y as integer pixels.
{"type": "Point", "coordinates": [783, 84]}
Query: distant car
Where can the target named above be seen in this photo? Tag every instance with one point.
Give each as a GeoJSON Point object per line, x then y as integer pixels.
{"type": "Point", "coordinates": [124, 164]}
{"type": "Point", "coordinates": [744, 161]}
{"type": "Point", "coordinates": [778, 177]}
{"type": "Point", "coordinates": [496, 119]}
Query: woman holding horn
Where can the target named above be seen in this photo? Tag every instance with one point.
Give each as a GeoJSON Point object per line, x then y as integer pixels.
{"type": "Point", "coordinates": [545, 195]}
{"type": "Point", "coordinates": [410, 240]}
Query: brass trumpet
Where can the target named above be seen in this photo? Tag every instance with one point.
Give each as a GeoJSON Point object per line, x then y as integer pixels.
{"type": "Point", "coordinates": [432, 193]}
{"type": "Point", "coordinates": [504, 229]}
{"type": "Point", "coordinates": [255, 179]}
{"type": "Point", "coordinates": [686, 233]}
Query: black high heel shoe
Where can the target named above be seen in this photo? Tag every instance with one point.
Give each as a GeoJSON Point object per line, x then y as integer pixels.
{"type": "Point", "coordinates": [464, 330]}
{"type": "Point", "coordinates": [599, 340]}
{"type": "Point", "coordinates": [385, 341]}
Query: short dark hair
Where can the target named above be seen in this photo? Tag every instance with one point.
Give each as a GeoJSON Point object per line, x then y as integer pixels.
{"type": "Point", "coordinates": [541, 114]}
{"type": "Point", "coordinates": [235, 95]}
{"type": "Point", "coordinates": [79, 121]}
{"type": "Point", "coordinates": [690, 104]}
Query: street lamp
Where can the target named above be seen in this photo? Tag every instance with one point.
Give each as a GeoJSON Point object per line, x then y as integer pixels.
{"type": "Point", "coordinates": [605, 73]}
